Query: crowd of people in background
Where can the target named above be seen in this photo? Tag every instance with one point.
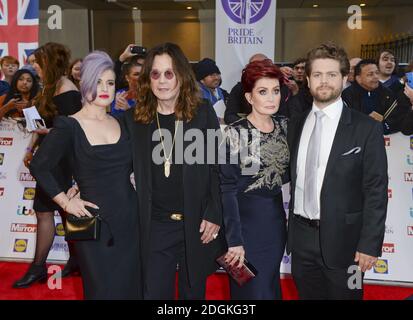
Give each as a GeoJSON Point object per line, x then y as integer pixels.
{"type": "Point", "coordinates": [372, 85]}
{"type": "Point", "coordinates": [190, 214]}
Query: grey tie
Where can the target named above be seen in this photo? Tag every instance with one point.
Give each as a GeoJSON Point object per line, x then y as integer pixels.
{"type": "Point", "coordinates": [311, 166]}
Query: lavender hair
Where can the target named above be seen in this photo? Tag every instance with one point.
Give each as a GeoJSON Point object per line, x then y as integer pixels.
{"type": "Point", "coordinates": [92, 68]}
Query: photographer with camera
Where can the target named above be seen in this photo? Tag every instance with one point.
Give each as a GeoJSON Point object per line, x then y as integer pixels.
{"type": "Point", "coordinates": [131, 54]}
{"type": "Point", "coordinates": [24, 87]}
{"type": "Point", "coordinates": [127, 70]}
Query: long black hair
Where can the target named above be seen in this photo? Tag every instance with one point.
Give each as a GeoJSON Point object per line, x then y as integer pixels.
{"type": "Point", "coordinates": [13, 87]}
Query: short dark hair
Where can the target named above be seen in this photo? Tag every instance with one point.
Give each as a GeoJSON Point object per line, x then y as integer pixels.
{"type": "Point", "coordinates": [385, 50]}
{"type": "Point", "coordinates": [393, 54]}
{"type": "Point", "coordinates": [361, 64]}
{"type": "Point", "coordinates": [328, 51]}
{"type": "Point", "coordinates": [299, 60]}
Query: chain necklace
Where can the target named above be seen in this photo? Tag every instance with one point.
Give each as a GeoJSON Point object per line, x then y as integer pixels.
{"type": "Point", "coordinates": [167, 163]}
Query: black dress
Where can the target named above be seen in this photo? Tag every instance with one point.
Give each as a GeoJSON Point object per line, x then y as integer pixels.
{"type": "Point", "coordinates": [67, 103]}
{"type": "Point", "coordinates": [103, 176]}
{"type": "Point", "coordinates": [254, 215]}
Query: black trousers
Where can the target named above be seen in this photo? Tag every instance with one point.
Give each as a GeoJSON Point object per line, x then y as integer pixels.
{"type": "Point", "coordinates": [313, 279]}
{"type": "Point", "coordinates": [168, 250]}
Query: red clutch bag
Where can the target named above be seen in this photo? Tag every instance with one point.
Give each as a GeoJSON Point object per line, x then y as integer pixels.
{"type": "Point", "coordinates": [240, 275]}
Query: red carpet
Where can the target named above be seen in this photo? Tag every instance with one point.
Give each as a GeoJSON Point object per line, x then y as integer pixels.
{"type": "Point", "coordinates": [217, 288]}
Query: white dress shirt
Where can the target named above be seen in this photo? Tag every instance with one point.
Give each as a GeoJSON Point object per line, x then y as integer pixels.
{"type": "Point", "coordinates": [329, 128]}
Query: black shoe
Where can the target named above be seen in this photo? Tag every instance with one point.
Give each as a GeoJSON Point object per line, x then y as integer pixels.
{"type": "Point", "coordinates": [70, 269]}
{"type": "Point", "coordinates": [34, 274]}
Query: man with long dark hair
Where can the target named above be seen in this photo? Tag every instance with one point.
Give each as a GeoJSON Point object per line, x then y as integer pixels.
{"type": "Point", "coordinates": [179, 202]}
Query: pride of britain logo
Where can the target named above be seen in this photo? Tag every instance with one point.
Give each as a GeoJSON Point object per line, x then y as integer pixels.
{"type": "Point", "coordinates": [246, 11]}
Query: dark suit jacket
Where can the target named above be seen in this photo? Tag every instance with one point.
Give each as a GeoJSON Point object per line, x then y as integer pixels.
{"type": "Point", "coordinates": [407, 124]}
{"type": "Point", "coordinates": [201, 194]}
{"type": "Point", "coordinates": [353, 200]}
{"type": "Point", "coordinates": [353, 96]}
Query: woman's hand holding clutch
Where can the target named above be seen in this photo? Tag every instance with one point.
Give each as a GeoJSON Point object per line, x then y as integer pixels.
{"type": "Point", "coordinates": [234, 255]}
{"type": "Point", "coordinates": [77, 207]}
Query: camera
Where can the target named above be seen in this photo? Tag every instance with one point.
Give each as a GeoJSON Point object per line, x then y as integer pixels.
{"type": "Point", "coordinates": [138, 50]}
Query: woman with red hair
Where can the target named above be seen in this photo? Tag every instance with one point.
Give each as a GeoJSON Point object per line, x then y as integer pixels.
{"type": "Point", "coordinates": [256, 166]}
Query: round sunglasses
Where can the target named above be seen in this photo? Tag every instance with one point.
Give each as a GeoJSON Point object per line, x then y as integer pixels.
{"type": "Point", "coordinates": [156, 74]}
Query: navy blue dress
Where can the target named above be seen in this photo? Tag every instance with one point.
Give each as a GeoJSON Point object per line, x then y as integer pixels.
{"type": "Point", "coordinates": [254, 216]}
{"type": "Point", "coordinates": [102, 172]}
{"type": "Point", "coordinates": [67, 103]}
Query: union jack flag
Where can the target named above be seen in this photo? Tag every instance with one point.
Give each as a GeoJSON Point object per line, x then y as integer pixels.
{"type": "Point", "coordinates": [19, 28]}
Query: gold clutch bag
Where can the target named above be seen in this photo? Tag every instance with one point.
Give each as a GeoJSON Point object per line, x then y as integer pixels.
{"type": "Point", "coordinates": [83, 228]}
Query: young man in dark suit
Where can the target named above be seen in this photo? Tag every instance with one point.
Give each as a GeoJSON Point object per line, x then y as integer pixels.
{"type": "Point", "coordinates": [338, 186]}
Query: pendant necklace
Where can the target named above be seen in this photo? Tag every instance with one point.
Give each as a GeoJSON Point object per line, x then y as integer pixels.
{"type": "Point", "coordinates": [167, 163]}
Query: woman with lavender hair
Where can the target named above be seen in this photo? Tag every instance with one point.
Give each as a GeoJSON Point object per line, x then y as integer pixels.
{"type": "Point", "coordinates": [102, 168]}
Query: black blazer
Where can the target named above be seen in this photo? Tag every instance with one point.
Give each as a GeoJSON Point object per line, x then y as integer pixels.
{"type": "Point", "coordinates": [201, 194]}
{"type": "Point", "coordinates": [353, 96]}
{"type": "Point", "coordinates": [353, 200]}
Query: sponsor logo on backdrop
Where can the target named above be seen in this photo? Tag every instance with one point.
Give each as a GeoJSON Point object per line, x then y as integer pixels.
{"type": "Point", "coordinates": [389, 229]}
{"type": "Point", "coordinates": [60, 247]}
{"type": "Point", "coordinates": [6, 142]}
{"type": "Point", "coordinates": [411, 212]}
{"type": "Point", "coordinates": [389, 193]}
{"type": "Point", "coordinates": [7, 127]}
{"type": "Point", "coordinates": [408, 176]}
{"type": "Point", "coordinates": [24, 211]}
{"type": "Point", "coordinates": [23, 228]}
{"type": "Point", "coordinates": [3, 175]}
{"type": "Point", "coordinates": [410, 230]}
{"type": "Point", "coordinates": [1, 158]}
{"type": "Point", "coordinates": [240, 12]}
{"type": "Point", "coordinates": [25, 176]}
{"type": "Point", "coordinates": [381, 266]}
{"type": "Point", "coordinates": [387, 141]}
{"type": "Point", "coordinates": [29, 193]}
{"type": "Point", "coordinates": [1, 192]}
{"type": "Point", "coordinates": [286, 259]}
{"type": "Point", "coordinates": [60, 230]}
{"type": "Point", "coordinates": [388, 248]}
{"type": "Point", "coordinates": [409, 160]}
{"type": "Point", "coordinates": [411, 142]}
{"type": "Point", "coordinates": [20, 245]}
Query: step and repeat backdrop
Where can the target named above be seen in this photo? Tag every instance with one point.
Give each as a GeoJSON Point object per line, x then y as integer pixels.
{"type": "Point", "coordinates": [18, 221]}
{"type": "Point", "coordinates": [17, 189]}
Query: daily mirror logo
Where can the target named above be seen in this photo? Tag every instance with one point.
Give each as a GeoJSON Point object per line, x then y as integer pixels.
{"type": "Point", "coordinates": [25, 176]}
{"type": "Point", "coordinates": [23, 228]}
{"type": "Point", "coordinates": [6, 142]}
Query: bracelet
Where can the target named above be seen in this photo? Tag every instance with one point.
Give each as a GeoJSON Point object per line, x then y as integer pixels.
{"type": "Point", "coordinates": [29, 150]}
